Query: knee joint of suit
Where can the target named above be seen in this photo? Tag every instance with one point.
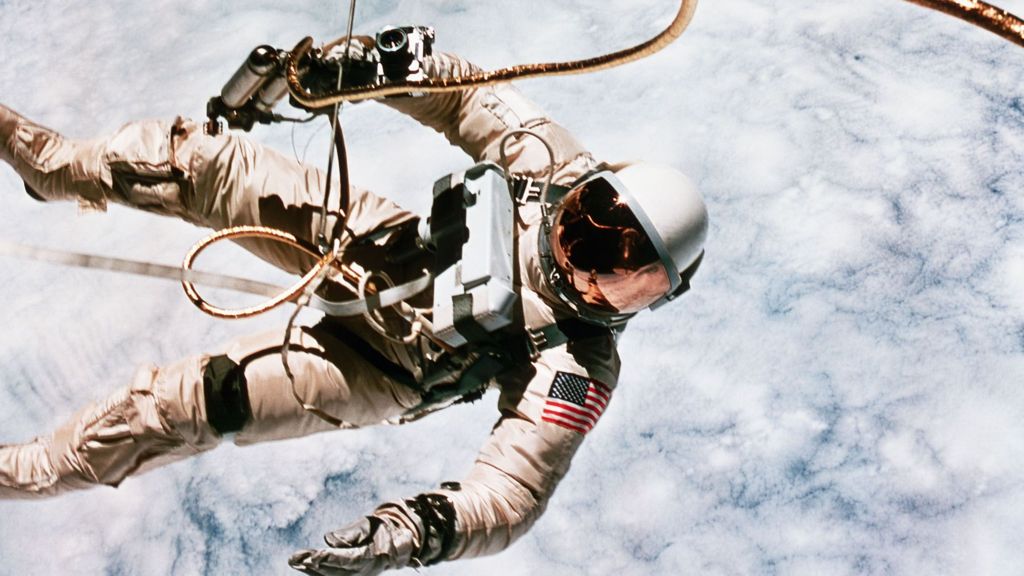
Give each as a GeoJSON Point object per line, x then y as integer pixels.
{"type": "Point", "coordinates": [226, 394]}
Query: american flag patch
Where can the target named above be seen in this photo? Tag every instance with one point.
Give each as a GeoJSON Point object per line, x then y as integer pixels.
{"type": "Point", "coordinates": [575, 402]}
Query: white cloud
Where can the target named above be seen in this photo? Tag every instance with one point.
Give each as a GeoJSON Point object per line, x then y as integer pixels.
{"type": "Point", "coordinates": [838, 395]}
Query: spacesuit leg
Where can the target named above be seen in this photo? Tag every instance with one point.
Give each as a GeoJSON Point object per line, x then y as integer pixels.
{"type": "Point", "coordinates": [160, 416]}
{"type": "Point", "coordinates": [175, 169]}
{"type": "Point", "coordinates": [167, 414]}
{"type": "Point", "coordinates": [352, 386]}
{"type": "Point", "coordinates": [53, 167]}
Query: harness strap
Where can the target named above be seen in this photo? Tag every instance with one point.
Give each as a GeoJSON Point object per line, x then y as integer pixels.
{"type": "Point", "coordinates": [526, 189]}
{"type": "Point", "coordinates": [382, 299]}
{"type": "Point", "coordinates": [562, 332]}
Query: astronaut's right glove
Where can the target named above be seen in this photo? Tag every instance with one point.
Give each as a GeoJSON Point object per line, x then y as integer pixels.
{"type": "Point", "coordinates": [361, 59]}
{"type": "Point", "coordinates": [414, 532]}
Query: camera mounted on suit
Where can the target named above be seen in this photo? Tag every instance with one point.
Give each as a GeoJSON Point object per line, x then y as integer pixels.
{"type": "Point", "coordinates": [396, 54]}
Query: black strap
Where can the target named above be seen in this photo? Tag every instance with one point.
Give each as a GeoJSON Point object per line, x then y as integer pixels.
{"type": "Point", "coordinates": [448, 223]}
{"type": "Point", "coordinates": [226, 394]}
{"type": "Point", "coordinates": [570, 329]}
{"type": "Point", "coordinates": [687, 275]}
{"type": "Point", "coordinates": [562, 332]}
{"type": "Point", "coordinates": [473, 380]}
{"type": "Point", "coordinates": [464, 322]}
{"type": "Point", "coordinates": [437, 513]}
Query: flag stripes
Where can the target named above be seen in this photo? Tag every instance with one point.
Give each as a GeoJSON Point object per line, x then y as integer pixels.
{"type": "Point", "coordinates": [575, 402]}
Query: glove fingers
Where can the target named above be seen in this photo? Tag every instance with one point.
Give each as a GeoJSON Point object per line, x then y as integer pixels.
{"type": "Point", "coordinates": [344, 562]}
{"type": "Point", "coordinates": [323, 563]}
{"type": "Point", "coordinates": [302, 561]}
{"type": "Point", "coordinates": [363, 548]}
{"type": "Point", "coordinates": [358, 533]}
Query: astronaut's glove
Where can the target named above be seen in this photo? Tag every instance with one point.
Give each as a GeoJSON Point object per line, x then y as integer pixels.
{"type": "Point", "coordinates": [417, 532]}
{"type": "Point", "coordinates": [360, 58]}
{"type": "Point", "coordinates": [365, 547]}
{"type": "Point", "coordinates": [360, 49]}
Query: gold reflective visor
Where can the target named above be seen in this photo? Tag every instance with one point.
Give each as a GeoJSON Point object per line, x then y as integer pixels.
{"type": "Point", "coordinates": [604, 252]}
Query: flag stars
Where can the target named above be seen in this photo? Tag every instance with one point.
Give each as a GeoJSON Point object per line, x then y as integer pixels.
{"type": "Point", "coordinates": [575, 402]}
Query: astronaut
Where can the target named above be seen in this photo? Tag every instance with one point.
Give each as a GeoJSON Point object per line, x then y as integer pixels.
{"type": "Point", "coordinates": [622, 238]}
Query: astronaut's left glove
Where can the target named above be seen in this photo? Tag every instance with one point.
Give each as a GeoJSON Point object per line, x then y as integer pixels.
{"type": "Point", "coordinates": [360, 57]}
{"type": "Point", "coordinates": [417, 532]}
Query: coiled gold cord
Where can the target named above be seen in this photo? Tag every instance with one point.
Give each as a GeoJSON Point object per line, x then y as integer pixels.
{"type": "Point", "coordinates": [332, 259]}
{"type": "Point", "coordinates": [265, 233]}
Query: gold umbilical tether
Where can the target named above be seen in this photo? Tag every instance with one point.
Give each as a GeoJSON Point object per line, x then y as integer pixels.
{"type": "Point", "coordinates": [982, 14]}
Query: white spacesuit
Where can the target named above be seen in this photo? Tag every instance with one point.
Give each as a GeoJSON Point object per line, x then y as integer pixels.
{"type": "Point", "coordinates": [621, 240]}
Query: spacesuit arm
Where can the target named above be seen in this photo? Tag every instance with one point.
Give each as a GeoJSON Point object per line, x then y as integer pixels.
{"type": "Point", "coordinates": [545, 414]}
{"type": "Point", "coordinates": [477, 119]}
{"type": "Point", "coordinates": [531, 446]}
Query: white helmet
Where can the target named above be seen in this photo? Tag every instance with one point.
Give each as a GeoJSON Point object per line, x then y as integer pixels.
{"type": "Point", "coordinates": [624, 240]}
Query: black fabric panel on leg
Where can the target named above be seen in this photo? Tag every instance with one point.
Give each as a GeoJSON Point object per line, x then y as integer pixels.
{"type": "Point", "coordinates": [227, 395]}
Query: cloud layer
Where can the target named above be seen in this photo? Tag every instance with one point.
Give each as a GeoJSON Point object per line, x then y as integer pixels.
{"type": "Point", "coordinates": [838, 395]}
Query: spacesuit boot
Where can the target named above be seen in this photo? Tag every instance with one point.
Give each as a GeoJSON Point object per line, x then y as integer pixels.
{"type": "Point", "coordinates": [8, 124]}
{"type": "Point", "coordinates": [49, 465]}
{"type": "Point", "coordinates": [52, 167]}
{"type": "Point", "coordinates": [26, 471]}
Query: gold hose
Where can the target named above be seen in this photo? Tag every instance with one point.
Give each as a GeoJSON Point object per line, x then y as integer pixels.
{"type": "Point", "coordinates": [349, 274]}
{"type": "Point", "coordinates": [250, 232]}
{"type": "Point", "coordinates": [981, 14]}
{"type": "Point", "coordinates": [976, 12]}
{"type": "Point", "coordinates": [487, 78]}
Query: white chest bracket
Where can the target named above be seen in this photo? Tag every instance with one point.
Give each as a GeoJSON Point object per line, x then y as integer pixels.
{"type": "Point", "coordinates": [470, 229]}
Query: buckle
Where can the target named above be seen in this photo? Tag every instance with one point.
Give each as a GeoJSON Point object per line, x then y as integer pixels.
{"type": "Point", "coordinates": [527, 190]}
{"type": "Point", "coordinates": [536, 342]}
